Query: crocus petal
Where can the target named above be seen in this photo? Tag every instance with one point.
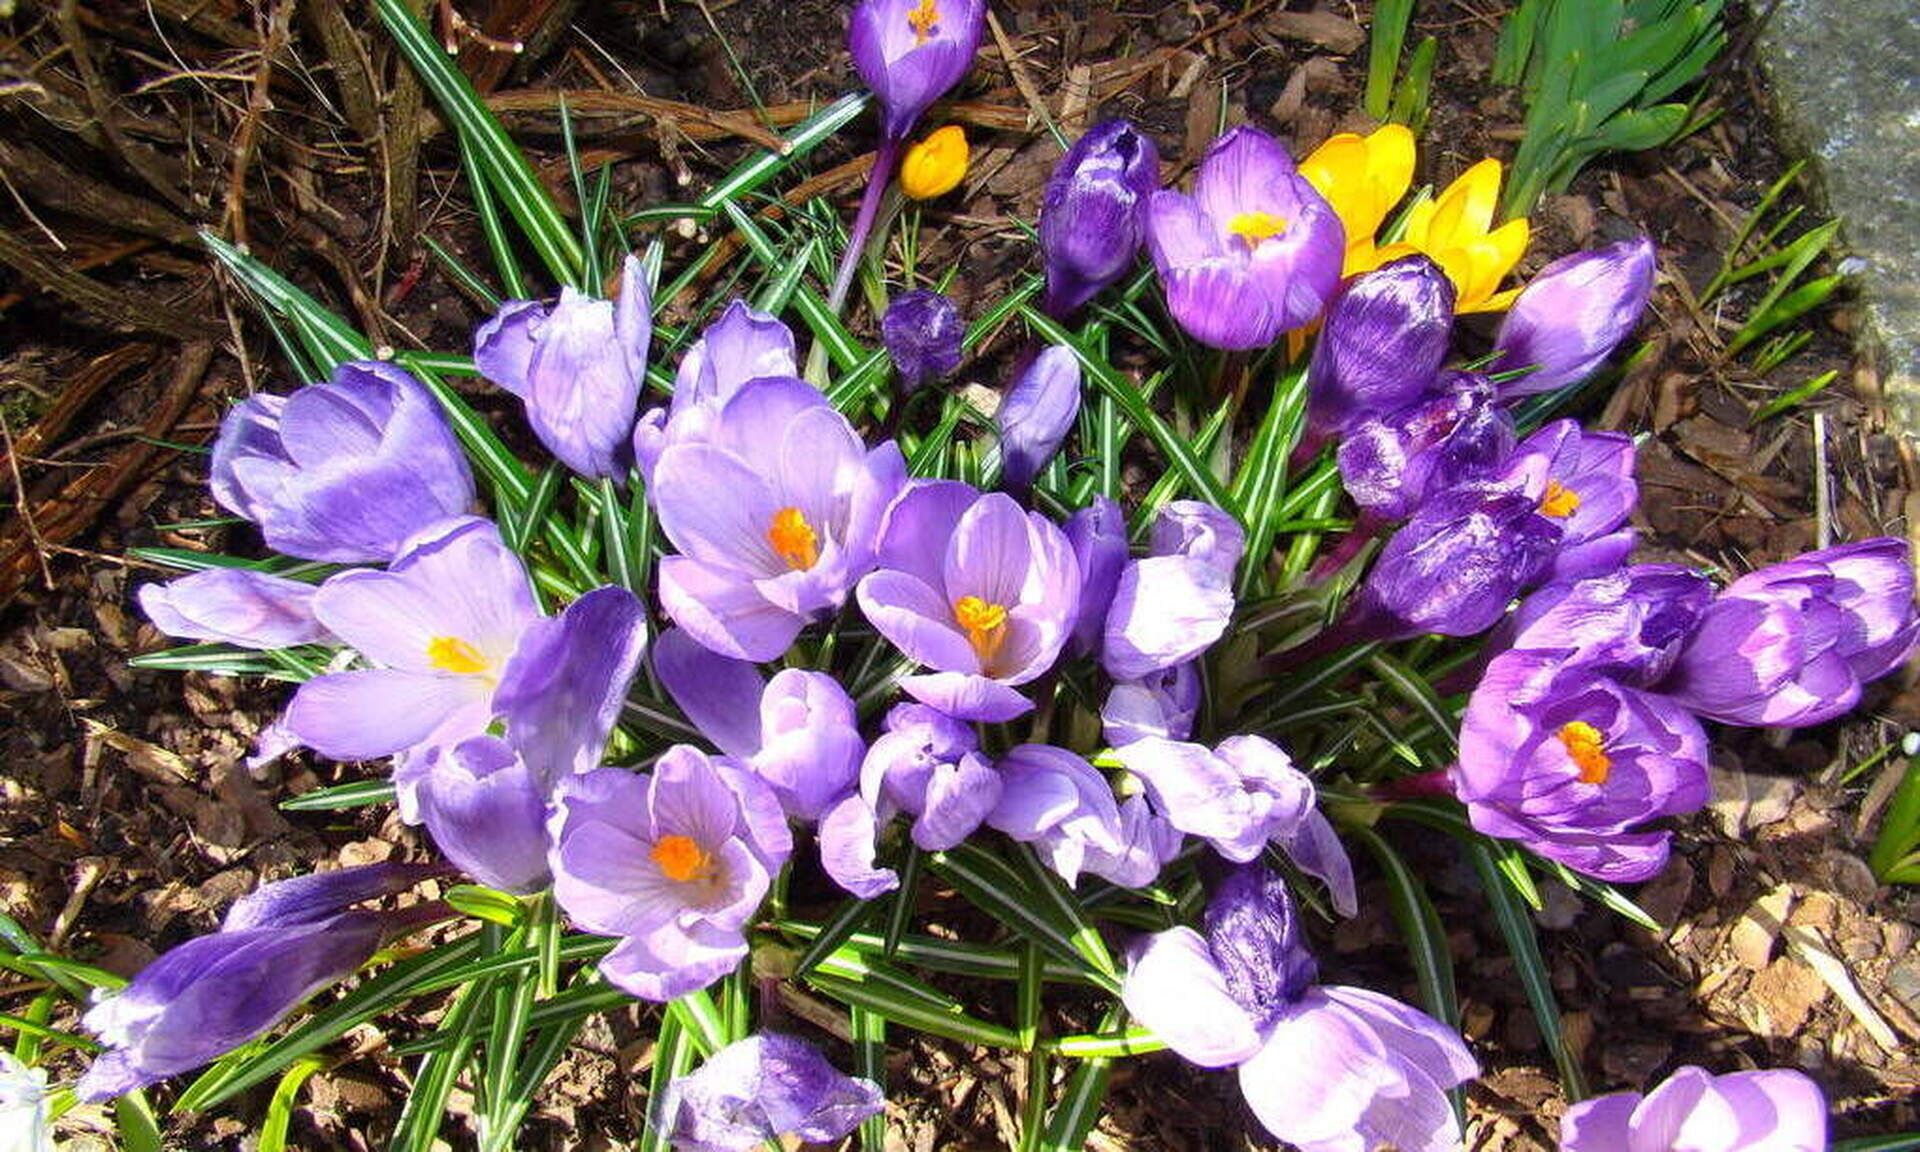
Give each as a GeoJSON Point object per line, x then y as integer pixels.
{"type": "Point", "coordinates": [922, 331]}
{"type": "Point", "coordinates": [725, 612]}
{"type": "Point", "coordinates": [1174, 988]}
{"type": "Point", "coordinates": [1036, 415]}
{"type": "Point", "coordinates": [958, 800]}
{"type": "Point", "coordinates": [1350, 1068]}
{"type": "Point", "coordinates": [965, 696]}
{"type": "Point", "coordinates": [563, 690]}
{"type": "Point", "coordinates": [503, 346]}
{"type": "Point", "coordinates": [916, 619]}
{"type": "Point", "coordinates": [1573, 314]}
{"type": "Point", "coordinates": [376, 712]}
{"type": "Point", "coordinates": [236, 606]}
{"type": "Point", "coordinates": [487, 812]}
{"type": "Point", "coordinates": [847, 835]}
{"type": "Point", "coordinates": [760, 1089]}
{"type": "Point", "coordinates": [1166, 610]}
{"type": "Point", "coordinates": [720, 694]}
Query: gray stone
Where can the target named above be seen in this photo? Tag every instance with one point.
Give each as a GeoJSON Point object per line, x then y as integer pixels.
{"type": "Point", "coordinates": [1849, 94]}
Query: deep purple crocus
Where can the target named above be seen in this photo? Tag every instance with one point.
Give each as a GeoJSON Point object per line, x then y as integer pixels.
{"type": "Point", "coordinates": [1326, 1068]}
{"type": "Point", "coordinates": [1629, 624]}
{"type": "Point", "coordinates": [1573, 314]}
{"type": "Point", "coordinates": [277, 947]}
{"type": "Point", "coordinates": [1391, 463]}
{"type": "Point", "coordinates": [237, 606]}
{"type": "Point", "coordinates": [1582, 481]}
{"type": "Point", "coordinates": [343, 471]}
{"type": "Point", "coordinates": [1161, 704]}
{"type": "Point", "coordinates": [1036, 414]}
{"type": "Point", "coordinates": [1767, 1110]}
{"type": "Point", "coordinates": [1171, 606]}
{"type": "Point", "coordinates": [579, 366]}
{"type": "Point", "coordinates": [760, 1089]}
{"type": "Point", "coordinates": [1791, 644]}
{"type": "Point", "coordinates": [1060, 804]}
{"type": "Point", "coordinates": [929, 766]}
{"type": "Point", "coordinates": [922, 331]}
{"type": "Point", "coordinates": [743, 344]}
{"type": "Point", "coordinates": [1380, 349]}
{"type": "Point", "coordinates": [1253, 252]}
{"type": "Point", "coordinates": [775, 514]}
{"type": "Point", "coordinates": [674, 862]}
{"type": "Point", "coordinates": [1455, 566]}
{"type": "Point", "coordinates": [1092, 218]}
{"type": "Point", "coordinates": [911, 51]}
{"type": "Point", "coordinates": [976, 589]}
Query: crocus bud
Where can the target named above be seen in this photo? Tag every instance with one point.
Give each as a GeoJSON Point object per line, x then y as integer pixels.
{"type": "Point", "coordinates": [344, 471]}
{"type": "Point", "coordinates": [1391, 464]}
{"type": "Point", "coordinates": [237, 606]}
{"type": "Point", "coordinates": [1162, 704]}
{"type": "Point", "coordinates": [1381, 347]}
{"type": "Point", "coordinates": [1573, 314]}
{"type": "Point", "coordinates": [934, 165]}
{"type": "Point", "coordinates": [929, 765]}
{"type": "Point", "coordinates": [1098, 535]}
{"type": "Point", "coordinates": [1455, 566]}
{"type": "Point", "coordinates": [1254, 936]}
{"type": "Point", "coordinates": [1091, 220]}
{"type": "Point", "coordinates": [1198, 529]}
{"type": "Point", "coordinates": [757, 1090]}
{"type": "Point", "coordinates": [922, 331]}
{"type": "Point", "coordinates": [1036, 415]}
{"type": "Point", "coordinates": [487, 813]}
{"type": "Point", "coordinates": [579, 367]}
{"type": "Point", "coordinates": [911, 51]}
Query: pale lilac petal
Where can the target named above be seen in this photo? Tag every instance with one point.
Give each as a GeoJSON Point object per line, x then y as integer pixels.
{"type": "Point", "coordinates": [1166, 610]}
{"type": "Point", "coordinates": [367, 714]}
{"type": "Point", "coordinates": [965, 696]}
{"type": "Point", "coordinates": [725, 612]}
{"type": "Point", "coordinates": [236, 606]}
{"type": "Point", "coordinates": [487, 812]}
{"type": "Point", "coordinates": [1598, 1123]}
{"type": "Point", "coordinates": [916, 619]}
{"type": "Point", "coordinates": [1174, 988]}
{"type": "Point", "coordinates": [847, 835]}
{"type": "Point", "coordinates": [1349, 1068]}
{"type": "Point", "coordinates": [958, 800]}
{"type": "Point", "coordinates": [563, 690]}
{"type": "Point", "coordinates": [503, 345]}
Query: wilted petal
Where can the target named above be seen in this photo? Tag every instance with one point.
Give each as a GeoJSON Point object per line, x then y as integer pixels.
{"type": "Point", "coordinates": [760, 1089]}
{"type": "Point", "coordinates": [236, 606]}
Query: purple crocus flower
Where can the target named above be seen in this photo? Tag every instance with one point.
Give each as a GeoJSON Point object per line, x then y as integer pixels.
{"type": "Point", "coordinates": [1036, 415]}
{"type": "Point", "coordinates": [1148, 842]}
{"type": "Point", "coordinates": [775, 515]}
{"type": "Point", "coordinates": [1059, 803]}
{"type": "Point", "coordinates": [237, 606]}
{"type": "Point", "coordinates": [1791, 644]}
{"type": "Point", "coordinates": [1092, 217]}
{"type": "Point", "coordinates": [673, 862]}
{"type": "Point", "coordinates": [1768, 1110]}
{"type": "Point", "coordinates": [278, 946]}
{"type": "Point", "coordinates": [1172, 605]}
{"type": "Point", "coordinates": [1199, 530]}
{"type": "Point", "coordinates": [1570, 762]}
{"type": "Point", "coordinates": [743, 344]}
{"type": "Point", "coordinates": [922, 331]}
{"type": "Point", "coordinates": [1381, 347]}
{"type": "Point", "coordinates": [760, 1089]}
{"type": "Point", "coordinates": [1253, 252]}
{"type": "Point", "coordinates": [976, 589]}
{"type": "Point", "coordinates": [579, 367]}
{"type": "Point", "coordinates": [343, 471]}
{"type": "Point", "coordinates": [1326, 1068]}
{"type": "Point", "coordinates": [1161, 704]}
{"type": "Point", "coordinates": [486, 809]}
{"type": "Point", "coordinates": [1628, 624]}
{"type": "Point", "coordinates": [1390, 464]}
{"type": "Point", "coordinates": [911, 51]}
{"type": "Point", "coordinates": [1584, 482]}
{"type": "Point", "coordinates": [929, 766]}
{"type": "Point", "coordinates": [1455, 566]}
{"type": "Point", "coordinates": [1573, 314]}
{"type": "Point", "coordinates": [1098, 536]}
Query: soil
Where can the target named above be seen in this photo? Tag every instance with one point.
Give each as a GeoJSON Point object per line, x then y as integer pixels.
{"type": "Point", "coordinates": [129, 822]}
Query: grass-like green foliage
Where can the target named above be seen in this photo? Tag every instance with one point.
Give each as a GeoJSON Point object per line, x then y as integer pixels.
{"type": "Point", "coordinates": [1598, 76]}
{"type": "Point", "coordinates": [1405, 102]}
{"type": "Point", "coordinates": [1895, 858]}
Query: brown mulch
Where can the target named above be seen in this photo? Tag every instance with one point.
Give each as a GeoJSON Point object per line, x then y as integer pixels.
{"type": "Point", "coordinates": [128, 822]}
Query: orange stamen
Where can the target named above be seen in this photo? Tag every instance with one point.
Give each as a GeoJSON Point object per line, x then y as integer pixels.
{"type": "Point", "coordinates": [923, 20]}
{"type": "Point", "coordinates": [1585, 747]}
{"type": "Point", "coordinates": [1560, 501]}
{"type": "Point", "coordinates": [985, 625]}
{"type": "Point", "coordinates": [793, 539]}
{"type": "Point", "coordinates": [1253, 227]}
{"type": "Point", "coordinates": [681, 859]}
{"type": "Point", "coordinates": [452, 654]}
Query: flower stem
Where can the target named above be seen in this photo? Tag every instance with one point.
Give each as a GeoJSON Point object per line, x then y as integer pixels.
{"type": "Point", "coordinates": [877, 181]}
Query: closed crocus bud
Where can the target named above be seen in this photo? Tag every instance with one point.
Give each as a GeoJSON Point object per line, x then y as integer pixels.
{"type": "Point", "coordinates": [1390, 465]}
{"type": "Point", "coordinates": [1091, 221]}
{"type": "Point", "coordinates": [911, 51]}
{"type": "Point", "coordinates": [1573, 314]}
{"type": "Point", "coordinates": [934, 165]}
{"type": "Point", "coordinates": [344, 471]}
{"type": "Point", "coordinates": [487, 813]}
{"type": "Point", "coordinates": [1381, 347]}
{"type": "Point", "coordinates": [237, 606]}
{"type": "Point", "coordinates": [579, 367]}
{"type": "Point", "coordinates": [1098, 535]}
{"type": "Point", "coordinates": [1036, 415]}
{"type": "Point", "coordinates": [1455, 566]}
{"type": "Point", "coordinates": [922, 331]}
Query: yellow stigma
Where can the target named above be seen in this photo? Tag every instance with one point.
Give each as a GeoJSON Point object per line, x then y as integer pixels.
{"type": "Point", "coordinates": [984, 623]}
{"type": "Point", "coordinates": [793, 539]}
{"type": "Point", "coordinates": [452, 654]}
{"type": "Point", "coordinates": [933, 166]}
{"type": "Point", "coordinates": [1586, 749]}
{"type": "Point", "coordinates": [681, 859]}
{"type": "Point", "coordinates": [1560, 501]}
{"type": "Point", "coordinates": [1253, 227]}
{"type": "Point", "coordinates": [923, 19]}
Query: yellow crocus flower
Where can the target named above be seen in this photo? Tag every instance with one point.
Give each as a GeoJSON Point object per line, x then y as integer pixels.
{"type": "Point", "coordinates": [1456, 230]}
{"type": "Point", "coordinates": [934, 166]}
{"type": "Point", "coordinates": [1362, 177]}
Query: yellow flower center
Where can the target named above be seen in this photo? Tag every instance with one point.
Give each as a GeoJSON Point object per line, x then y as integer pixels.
{"type": "Point", "coordinates": [452, 654]}
{"type": "Point", "coordinates": [1559, 501]}
{"type": "Point", "coordinates": [923, 19]}
{"type": "Point", "coordinates": [1586, 749]}
{"type": "Point", "coordinates": [1253, 227]}
{"type": "Point", "coordinates": [793, 539]}
{"type": "Point", "coordinates": [984, 623]}
{"type": "Point", "coordinates": [681, 859]}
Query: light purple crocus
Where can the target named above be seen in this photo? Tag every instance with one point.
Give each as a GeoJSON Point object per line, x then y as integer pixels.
{"type": "Point", "coordinates": [674, 862]}
{"type": "Point", "coordinates": [1200, 531]}
{"type": "Point", "coordinates": [929, 766]}
{"type": "Point", "coordinates": [343, 471]}
{"type": "Point", "coordinates": [911, 51]}
{"type": "Point", "coordinates": [1572, 315]}
{"type": "Point", "coordinates": [1161, 704]}
{"type": "Point", "coordinates": [1098, 536]}
{"type": "Point", "coordinates": [579, 366]}
{"type": "Point", "coordinates": [1792, 644]}
{"type": "Point", "coordinates": [922, 331]}
{"type": "Point", "coordinates": [237, 606]}
{"type": "Point", "coordinates": [276, 947]}
{"type": "Point", "coordinates": [486, 809]}
{"type": "Point", "coordinates": [1148, 842]}
{"type": "Point", "coordinates": [1060, 804]}
{"type": "Point", "coordinates": [760, 1089]}
{"type": "Point", "coordinates": [775, 514]}
{"type": "Point", "coordinates": [1036, 414]}
{"type": "Point", "coordinates": [1767, 1110]}
{"type": "Point", "coordinates": [1325, 1068]}
{"type": "Point", "coordinates": [1455, 566]}
{"type": "Point", "coordinates": [1169, 607]}
{"type": "Point", "coordinates": [1391, 463]}
{"type": "Point", "coordinates": [1583, 481]}
{"type": "Point", "coordinates": [1092, 217]}
{"type": "Point", "coordinates": [976, 589]}
{"type": "Point", "coordinates": [1253, 252]}
{"type": "Point", "coordinates": [1379, 351]}
{"type": "Point", "coordinates": [743, 344]}
{"type": "Point", "coordinates": [1570, 762]}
